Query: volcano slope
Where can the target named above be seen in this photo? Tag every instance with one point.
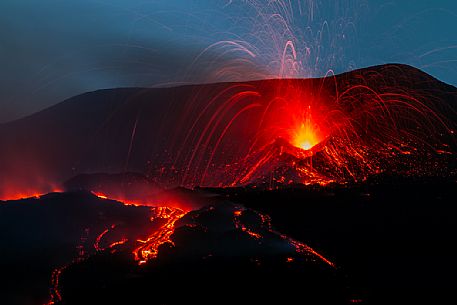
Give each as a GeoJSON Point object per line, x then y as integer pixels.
{"type": "Point", "coordinates": [358, 170]}
{"type": "Point", "coordinates": [386, 118]}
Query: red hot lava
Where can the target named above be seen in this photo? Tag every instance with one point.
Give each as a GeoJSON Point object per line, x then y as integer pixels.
{"type": "Point", "coordinates": [149, 248]}
{"type": "Point", "coordinates": [343, 128]}
{"type": "Point", "coordinates": [144, 249]}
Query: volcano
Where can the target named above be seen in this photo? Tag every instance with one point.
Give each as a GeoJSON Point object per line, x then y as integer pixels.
{"type": "Point", "coordinates": [355, 124]}
{"type": "Point", "coordinates": [337, 190]}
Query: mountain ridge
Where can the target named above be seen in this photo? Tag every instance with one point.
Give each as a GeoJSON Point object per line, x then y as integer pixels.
{"type": "Point", "coordinates": [156, 130]}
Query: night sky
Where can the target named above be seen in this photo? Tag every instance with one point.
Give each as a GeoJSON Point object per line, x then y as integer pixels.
{"type": "Point", "coordinates": [52, 49]}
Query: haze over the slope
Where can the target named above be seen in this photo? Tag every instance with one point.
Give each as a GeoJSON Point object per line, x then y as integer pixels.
{"type": "Point", "coordinates": [58, 49]}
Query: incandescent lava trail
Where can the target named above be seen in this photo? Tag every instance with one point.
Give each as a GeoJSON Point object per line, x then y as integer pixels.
{"type": "Point", "coordinates": [149, 248]}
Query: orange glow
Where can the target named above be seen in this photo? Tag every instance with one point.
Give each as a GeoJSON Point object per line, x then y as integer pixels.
{"type": "Point", "coordinates": [125, 202]}
{"type": "Point", "coordinates": [98, 240]}
{"type": "Point", "coordinates": [119, 242]}
{"type": "Point", "coordinates": [55, 292]}
{"type": "Point", "coordinates": [305, 249]}
{"type": "Point", "coordinates": [101, 196]}
{"type": "Point", "coordinates": [239, 225]}
{"type": "Point", "coordinates": [156, 201]}
{"type": "Point", "coordinates": [251, 233]}
{"type": "Point", "coordinates": [27, 194]}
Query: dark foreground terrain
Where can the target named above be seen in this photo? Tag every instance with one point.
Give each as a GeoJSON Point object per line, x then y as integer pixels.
{"type": "Point", "coordinates": [391, 241]}
{"type": "Point", "coordinates": [394, 238]}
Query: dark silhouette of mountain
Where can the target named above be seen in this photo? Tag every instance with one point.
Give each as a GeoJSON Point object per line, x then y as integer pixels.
{"type": "Point", "coordinates": [40, 234]}
{"type": "Point", "coordinates": [393, 236]}
{"type": "Point", "coordinates": [166, 133]}
{"type": "Point", "coordinates": [128, 186]}
{"type": "Point", "coordinates": [137, 188]}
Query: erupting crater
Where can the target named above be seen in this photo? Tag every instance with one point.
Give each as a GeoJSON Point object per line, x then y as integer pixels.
{"type": "Point", "coordinates": [307, 134]}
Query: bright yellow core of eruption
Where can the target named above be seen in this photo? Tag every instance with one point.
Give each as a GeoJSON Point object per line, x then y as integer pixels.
{"type": "Point", "coordinates": [305, 137]}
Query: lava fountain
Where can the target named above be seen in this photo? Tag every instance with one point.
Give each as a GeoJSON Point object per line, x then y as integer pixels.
{"type": "Point", "coordinates": [305, 136]}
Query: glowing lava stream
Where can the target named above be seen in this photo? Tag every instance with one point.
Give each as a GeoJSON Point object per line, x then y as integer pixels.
{"type": "Point", "coordinates": [149, 248]}
{"type": "Point", "coordinates": [300, 248]}
{"type": "Point", "coordinates": [122, 200]}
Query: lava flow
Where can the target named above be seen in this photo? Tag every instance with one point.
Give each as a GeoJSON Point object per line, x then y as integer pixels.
{"type": "Point", "coordinates": [149, 247]}
{"type": "Point", "coordinates": [144, 249]}
{"type": "Point", "coordinates": [299, 247]}
{"type": "Point", "coordinates": [123, 200]}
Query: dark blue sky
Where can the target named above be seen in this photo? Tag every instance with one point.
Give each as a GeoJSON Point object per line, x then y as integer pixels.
{"type": "Point", "coordinates": [53, 49]}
